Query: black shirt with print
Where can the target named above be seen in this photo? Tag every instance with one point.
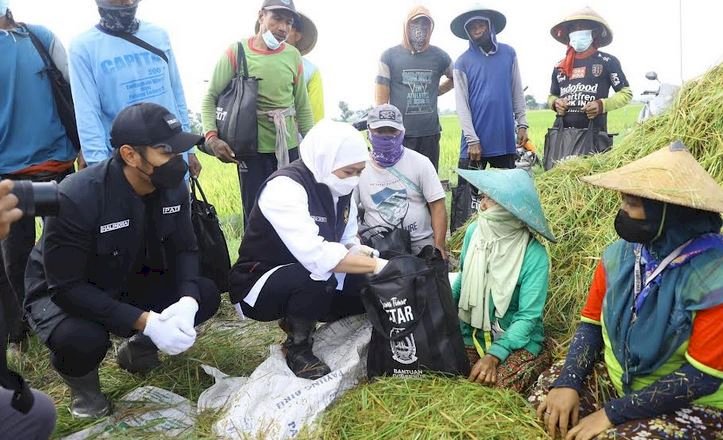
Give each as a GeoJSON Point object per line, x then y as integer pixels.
{"type": "Point", "coordinates": [591, 79]}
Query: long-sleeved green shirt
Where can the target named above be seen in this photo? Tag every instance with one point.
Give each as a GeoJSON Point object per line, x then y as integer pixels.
{"type": "Point", "coordinates": [281, 85]}
{"type": "Point", "coordinates": [522, 324]}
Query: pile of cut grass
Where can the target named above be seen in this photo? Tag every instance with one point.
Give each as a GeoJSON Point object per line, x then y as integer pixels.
{"type": "Point", "coordinates": [582, 216]}
{"type": "Point", "coordinates": [430, 408]}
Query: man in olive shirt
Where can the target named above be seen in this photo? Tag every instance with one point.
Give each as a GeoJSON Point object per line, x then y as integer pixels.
{"type": "Point", "coordinates": [282, 99]}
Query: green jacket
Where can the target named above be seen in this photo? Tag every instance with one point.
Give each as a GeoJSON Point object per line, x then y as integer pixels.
{"type": "Point", "coordinates": [282, 86]}
{"type": "Point", "coordinates": [523, 321]}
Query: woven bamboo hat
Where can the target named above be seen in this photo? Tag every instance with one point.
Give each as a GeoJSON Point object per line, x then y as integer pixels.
{"type": "Point", "coordinates": [670, 175]}
{"type": "Point", "coordinates": [560, 31]}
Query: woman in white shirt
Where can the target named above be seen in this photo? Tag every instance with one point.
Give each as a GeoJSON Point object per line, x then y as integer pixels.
{"type": "Point", "coordinates": [300, 260]}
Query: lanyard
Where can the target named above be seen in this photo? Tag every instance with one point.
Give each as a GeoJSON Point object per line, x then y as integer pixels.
{"type": "Point", "coordinates": [641, 289]}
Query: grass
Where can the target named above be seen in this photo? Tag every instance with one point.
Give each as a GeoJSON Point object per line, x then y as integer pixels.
{"type": "Point", "coordinates": [238, 347]}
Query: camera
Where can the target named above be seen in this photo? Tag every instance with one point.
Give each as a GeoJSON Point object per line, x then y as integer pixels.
{"type": "Point", "coordinates": [37, 199]}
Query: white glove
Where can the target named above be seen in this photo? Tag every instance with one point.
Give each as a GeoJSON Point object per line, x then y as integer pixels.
{"type": "Point", "coordinates": [184, 310]}
{"type": "Point", "coordinates": [360, 249]}
{"type": "Point", "coordinates": [168, 335]}
{"type": "Point", "coordinates": [381, 264]}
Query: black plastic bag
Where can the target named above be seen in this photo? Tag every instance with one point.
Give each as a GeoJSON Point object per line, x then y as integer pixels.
{"type": "Point", "coordinates": [389, 241]}
{"type": "Point", "coordinates": [236, 117]}
{"type": "Point", "coordinates": [561, 142]}
{"type": "Point", "coordinates": [465, 203]}
{"type": "Point", "coordinates": [414, 319]}
{"type": "Point", "coordinates": [212, 249]}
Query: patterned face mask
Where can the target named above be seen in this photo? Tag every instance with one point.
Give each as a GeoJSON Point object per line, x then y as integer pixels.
{"type": "Point", "coordinates": [119, 19]}
{"type": "Point", "coordinates": [418, 35]}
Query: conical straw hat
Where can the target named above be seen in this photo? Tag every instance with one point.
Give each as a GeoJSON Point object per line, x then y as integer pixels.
{"type": "Point", "coordinates": [515, 191]}
{"type": "Point", "coordinates": [560, 33]}
{"type": "Point", "coordinates": [670, 175]}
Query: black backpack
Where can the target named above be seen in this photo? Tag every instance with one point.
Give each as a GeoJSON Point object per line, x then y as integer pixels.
{"type": "Point", "coordinates": [414, 319]}
{"type": "Point", "coordinates": [61, 90]}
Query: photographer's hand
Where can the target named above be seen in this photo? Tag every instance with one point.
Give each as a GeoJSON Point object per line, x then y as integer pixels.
{"type": "Point", "coordinates": [8, 211]}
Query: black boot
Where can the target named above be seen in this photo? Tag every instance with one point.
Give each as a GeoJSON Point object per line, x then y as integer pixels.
{"type": "Point", "coordinates": [297, 348]}
{"type": "Point", "coordinates": [138, 354]}
{"type": "Point", "coordinates": [87, 402]}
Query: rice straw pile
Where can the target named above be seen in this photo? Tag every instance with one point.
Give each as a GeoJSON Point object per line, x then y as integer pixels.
{"type": "Point", "coordinates": [582, 218]}
{"type": "Point", "coordinates": [430, 408]}
{"type": "Point", "coordinates": [581, 215]}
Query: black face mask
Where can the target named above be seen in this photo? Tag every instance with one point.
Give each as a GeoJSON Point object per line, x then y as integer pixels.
{"type": "Point", "coordinates": [635, 231]}
{"type": "Point", "coordinates": [119, 20]}
{"type": "Point", "coordinates": [169, 175]}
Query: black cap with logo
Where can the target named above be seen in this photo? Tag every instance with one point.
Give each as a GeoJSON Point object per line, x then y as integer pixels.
{"type": "Point", "coordinates": [151, 125]}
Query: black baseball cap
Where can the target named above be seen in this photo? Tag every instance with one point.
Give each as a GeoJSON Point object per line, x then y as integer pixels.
{"type": "Point", "coordinates": [281, 4]}
{"type": "Point", "coordinates": [151, 125]}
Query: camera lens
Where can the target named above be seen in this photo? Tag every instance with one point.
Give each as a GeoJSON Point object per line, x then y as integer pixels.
{"type": "Point", "coordinates": [37, 199]}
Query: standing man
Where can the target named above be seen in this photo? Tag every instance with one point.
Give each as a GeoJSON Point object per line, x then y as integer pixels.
{"type": "Point", "coordinates": [399, 187]}
{"type": "Point", "coordinates": [121, 258]}
{"type": "Point", "coordinates": [490, 102]}
{"type": "Point", "coordinates": [108, 73]}
{"type": "Point", "coordinates": [581, 81]}
{"type": "Point", "coordinates": [282, 106]}
{"type": "Point", "coordinates": [33, 144]}
{"type": "Point", "coordinates": [303, 37]}
{"type": "Point", "coordinates": [408, 79]}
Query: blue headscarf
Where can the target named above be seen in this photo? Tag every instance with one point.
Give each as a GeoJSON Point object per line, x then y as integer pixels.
{"type": "Point", "coordinates": [644, 334]}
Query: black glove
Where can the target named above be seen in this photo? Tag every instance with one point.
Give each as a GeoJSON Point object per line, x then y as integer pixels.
{"type": "Point", "coordinates": [23, 398]}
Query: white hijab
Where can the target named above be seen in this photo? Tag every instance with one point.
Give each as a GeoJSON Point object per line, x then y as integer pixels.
{"type": "Point", "coordinates": [330, 146]}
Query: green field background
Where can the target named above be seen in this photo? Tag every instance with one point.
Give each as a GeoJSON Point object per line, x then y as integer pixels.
{"type": "Point", "coordinates": [221, 184]}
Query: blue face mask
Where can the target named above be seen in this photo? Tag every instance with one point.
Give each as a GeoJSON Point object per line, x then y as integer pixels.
{"type": "Point", "coordinates": [580, 41]}
{"type": "Point", "coordinates": [271, 42]}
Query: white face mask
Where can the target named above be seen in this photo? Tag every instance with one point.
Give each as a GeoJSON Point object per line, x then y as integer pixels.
{"type": "Point", "coordinates": [580, 41]}
{"type": "Point", "coordinates": [271, 42]}
{"type": "Point", "coordinates": [341, 187]}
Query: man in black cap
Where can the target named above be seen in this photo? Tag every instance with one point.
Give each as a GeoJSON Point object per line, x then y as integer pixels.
{"type": "Point", "coordinates": [120, 258]}
{"type": "Point", "coordinates": [282, 106]}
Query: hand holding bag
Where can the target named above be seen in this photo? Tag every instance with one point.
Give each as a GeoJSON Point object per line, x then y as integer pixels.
{"type": "Point", "coordinates": [236, 118]}
{"type": "Point", "coordinates": [561, 142]}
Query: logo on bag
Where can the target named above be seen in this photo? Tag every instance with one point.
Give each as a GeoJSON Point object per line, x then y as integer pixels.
{"type": "Point", "coordinates": [115, 226]}
{"type": "Point", "coordinates": [221, 114]}
{"type": "Point", "coordinates": [597, 70]}
{"type": "Point", "coordinates": [404, 350]}
{"type": "Point", "coordinates": [171, 209]}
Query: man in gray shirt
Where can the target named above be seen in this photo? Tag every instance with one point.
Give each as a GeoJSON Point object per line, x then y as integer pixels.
{"type": "Point", "coordinates": [408, 78]}
{"type": "Point", "coordinates": [399, 188]}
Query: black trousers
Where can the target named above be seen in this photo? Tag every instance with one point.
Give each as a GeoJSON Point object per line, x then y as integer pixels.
{"type": "Point", "coordinates": [291, 292]}
{"type": "Point", "coordinates": [14, 252]}
{"type": "Point", "coordinates": [425, 145]}
{"type": "Point", "coordinates": [465, 196]}
{"type": "Point", "coordinates": [79, 345]}
{"type": "Point", "coordinates": [253, 172]}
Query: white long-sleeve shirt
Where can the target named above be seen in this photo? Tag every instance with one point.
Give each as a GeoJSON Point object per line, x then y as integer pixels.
{"type": "Point", "coordinates": [285, 204]}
